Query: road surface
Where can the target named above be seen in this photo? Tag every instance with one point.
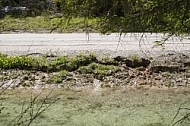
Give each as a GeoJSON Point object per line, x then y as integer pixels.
{"type": "Point", "coordinates": [26, 43]}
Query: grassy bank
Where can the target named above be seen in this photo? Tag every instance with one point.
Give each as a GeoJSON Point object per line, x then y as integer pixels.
{"type": "Point", "coordinates": [46, 24]}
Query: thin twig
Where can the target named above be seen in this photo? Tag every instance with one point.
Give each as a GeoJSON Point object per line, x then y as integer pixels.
{"type": "Point", "coordinates": [41, 109]}
{"type": "Point", "coordinates": [4, 89]}
{"type": "Point", "coordinates": [186, 117]}
{"type": "Point", "coordinates": [119, 41]}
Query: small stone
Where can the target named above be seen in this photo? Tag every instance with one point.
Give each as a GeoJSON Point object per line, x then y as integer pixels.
{"type": "Point", "coordinates": [179, 80]}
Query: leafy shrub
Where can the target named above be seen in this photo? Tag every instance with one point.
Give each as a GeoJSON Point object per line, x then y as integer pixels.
{"type": "Point", "coordinates": [80, 60]}
{"type": "Point", "coordinates": [98, 70]}
{"type": "Point", "coordinates": [45, 64]}
{"type": "Point", "coordinates": [12, 62]}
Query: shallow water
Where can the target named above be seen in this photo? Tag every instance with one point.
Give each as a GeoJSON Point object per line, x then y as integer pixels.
{"type": "Point", "coordinates": [120, 106]}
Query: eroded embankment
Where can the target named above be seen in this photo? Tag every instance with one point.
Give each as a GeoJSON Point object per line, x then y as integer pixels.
{"type": "Point", "coordinates": [40, 70]}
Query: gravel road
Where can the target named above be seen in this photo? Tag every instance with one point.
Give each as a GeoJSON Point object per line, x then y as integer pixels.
{"type": "Point", "coordinates": [25, 43]}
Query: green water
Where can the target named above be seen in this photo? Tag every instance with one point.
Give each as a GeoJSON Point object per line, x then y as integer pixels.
{"type": "Point", "coordinates": [106, 107]}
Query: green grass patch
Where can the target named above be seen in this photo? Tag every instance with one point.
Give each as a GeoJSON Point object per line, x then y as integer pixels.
{"type": "Point", "coordinates": [58, 77]}
{"type": "Point", "coordinates": [46, 64]}
{"type": "Point", "coordinates": [46, 23]}
{"type": "Point", "coordinates": [80, 60]}
{"type": "Point", "coordinates": [135, 57]}
{"type": "Point", "coordinates": [98, 70]}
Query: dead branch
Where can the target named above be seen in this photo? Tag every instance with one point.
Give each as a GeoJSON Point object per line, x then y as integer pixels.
{"type": "Point", "coordinates": [184, 118]}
